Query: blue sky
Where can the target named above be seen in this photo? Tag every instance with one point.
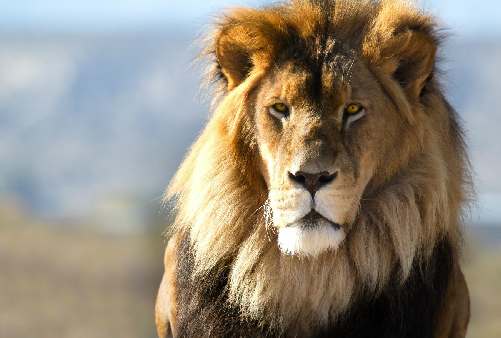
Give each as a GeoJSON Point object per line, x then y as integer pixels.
{"type": "Point", "coordinates": [465, 17]}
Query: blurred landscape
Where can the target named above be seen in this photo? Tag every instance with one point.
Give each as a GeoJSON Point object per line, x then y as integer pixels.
{"type": "Point", "coordinates": [92, 127]}
{"type": "Point", "coordinates": [96, 124]}
{"type": "Point", "coordinates": [75, 283]}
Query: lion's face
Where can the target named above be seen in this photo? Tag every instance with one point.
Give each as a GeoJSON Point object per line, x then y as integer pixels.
{"type": "Point", "coordinates": [326, 104]}
{"type": "Point", "coordinates": [320, 140]}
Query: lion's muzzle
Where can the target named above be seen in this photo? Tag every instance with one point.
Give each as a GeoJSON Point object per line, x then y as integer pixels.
{"type": "Point", "coordinates": [307, 224]}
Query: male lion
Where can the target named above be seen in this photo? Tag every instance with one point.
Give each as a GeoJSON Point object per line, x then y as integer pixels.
{"type": "Point", "coordinates": [323, 198]}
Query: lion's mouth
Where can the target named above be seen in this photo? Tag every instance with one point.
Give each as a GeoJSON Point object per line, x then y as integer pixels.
{"type": "Point", "coordinates": [314, 219]}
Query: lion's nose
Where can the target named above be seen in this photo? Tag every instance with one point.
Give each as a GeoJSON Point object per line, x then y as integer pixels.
{"type": "Point", "coordinates": [313, 182]}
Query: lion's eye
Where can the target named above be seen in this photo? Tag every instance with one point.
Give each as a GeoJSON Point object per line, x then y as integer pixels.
{"type": "Point", "coordinates": [352, 113]}
{"type": "Point", "coordinates": [279, 110]}
{"type": "Point", "coordinates": [353, 108]}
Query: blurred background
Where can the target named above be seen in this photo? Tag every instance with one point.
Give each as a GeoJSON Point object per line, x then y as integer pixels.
{"type": "Point", "coordinates": [99, 101]}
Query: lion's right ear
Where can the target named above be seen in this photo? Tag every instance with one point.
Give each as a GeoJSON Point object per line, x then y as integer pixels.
{"type": "Point", "coordinates": [244, 40]}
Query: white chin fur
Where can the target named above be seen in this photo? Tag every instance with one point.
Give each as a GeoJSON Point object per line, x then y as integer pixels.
{"type": "Point", "coordinates": [309, 241]}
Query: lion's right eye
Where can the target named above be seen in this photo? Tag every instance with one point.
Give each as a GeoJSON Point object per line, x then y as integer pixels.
{"type": "Point", "coordinates": [279, 110]}
{"type": "Point", "coordinates": [352, 113]}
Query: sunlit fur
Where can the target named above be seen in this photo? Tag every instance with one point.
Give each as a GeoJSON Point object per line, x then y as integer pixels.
{"type": "Point", "coordinates": [413, 199]}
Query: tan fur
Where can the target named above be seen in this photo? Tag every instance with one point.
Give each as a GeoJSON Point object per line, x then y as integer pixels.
{"type": "Point", "coordinates": [165, 309]}
{"type": "Point", "coordinates": [403, 196]}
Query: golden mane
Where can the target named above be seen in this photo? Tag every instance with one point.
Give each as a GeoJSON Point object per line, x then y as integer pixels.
{"type": "Point", "coordinates": [221, 197]}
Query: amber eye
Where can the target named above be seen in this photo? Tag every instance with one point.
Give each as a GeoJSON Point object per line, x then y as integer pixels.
{"type": "Point", "coordinates": [279, 110]}
{"type": "Point", "coordinates": [353, 108]}
{"type": "Point", "coordinates": [353, 112]}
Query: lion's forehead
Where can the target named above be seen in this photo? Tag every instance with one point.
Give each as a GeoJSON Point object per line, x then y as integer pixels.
{"type": "Point", "coordinates": [315, 87]}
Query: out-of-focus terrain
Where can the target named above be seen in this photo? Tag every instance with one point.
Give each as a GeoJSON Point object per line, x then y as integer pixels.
{"type": "Point", "coordinates": [81, 284]}
{"type": "Point", "coordinates": [482, 268]}
{"type": "Point", "coordinates": [56, 282]}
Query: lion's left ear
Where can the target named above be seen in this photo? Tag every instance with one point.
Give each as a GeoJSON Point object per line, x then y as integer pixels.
{"type": "Point", "coordinates": [404, 44]}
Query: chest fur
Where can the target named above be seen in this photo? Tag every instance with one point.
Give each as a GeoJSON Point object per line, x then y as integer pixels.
{"type": "Point", "coordinates": [409, 310]}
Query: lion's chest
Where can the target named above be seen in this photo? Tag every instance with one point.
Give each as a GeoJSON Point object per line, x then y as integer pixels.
{"type": "Point", "coordinates": [405, 311]}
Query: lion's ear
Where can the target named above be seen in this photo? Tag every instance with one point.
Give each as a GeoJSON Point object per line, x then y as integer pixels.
{"type": "Point", "coordinates": [245, 39]}
{"type": "Point", "coordinates": [403, 42]}
{"type": "Point", "coordinates": [412, 60]}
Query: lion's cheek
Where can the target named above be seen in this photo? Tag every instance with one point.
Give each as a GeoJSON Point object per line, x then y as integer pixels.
{"type": "Point", "coordinates": [266, 164]}
{"type": "Point", "coordinates": [336, 207]}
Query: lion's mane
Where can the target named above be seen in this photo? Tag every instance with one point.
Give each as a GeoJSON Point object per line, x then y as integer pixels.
{"type": "Point", "coordinates": [221, 197]}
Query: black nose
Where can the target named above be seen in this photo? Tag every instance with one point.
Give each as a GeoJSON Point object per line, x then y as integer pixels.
{"type": "Point", "coordinates": [312, 182]}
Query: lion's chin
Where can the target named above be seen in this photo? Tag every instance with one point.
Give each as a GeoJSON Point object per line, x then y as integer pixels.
{"type": "Point", "coordinates": [305, 239]}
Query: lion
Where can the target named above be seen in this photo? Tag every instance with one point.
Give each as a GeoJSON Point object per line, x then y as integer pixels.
{"type": "Point", "coordinates": [324, 196]}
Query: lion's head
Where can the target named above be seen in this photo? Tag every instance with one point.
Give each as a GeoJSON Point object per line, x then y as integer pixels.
{"type": "Point", "coordinates": [332, 162]}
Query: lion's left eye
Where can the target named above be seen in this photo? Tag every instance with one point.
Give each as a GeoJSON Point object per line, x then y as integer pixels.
{"type": "Point", "coordinates": [352, 113]}
{"type": "Point", "coordinates": [279, 110]}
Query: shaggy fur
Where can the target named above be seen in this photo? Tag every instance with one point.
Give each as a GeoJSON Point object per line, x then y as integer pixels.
{"type": "Point", "coordinates": [409, 310]}
{"type": "Point", "coordinates": [402, 215]}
